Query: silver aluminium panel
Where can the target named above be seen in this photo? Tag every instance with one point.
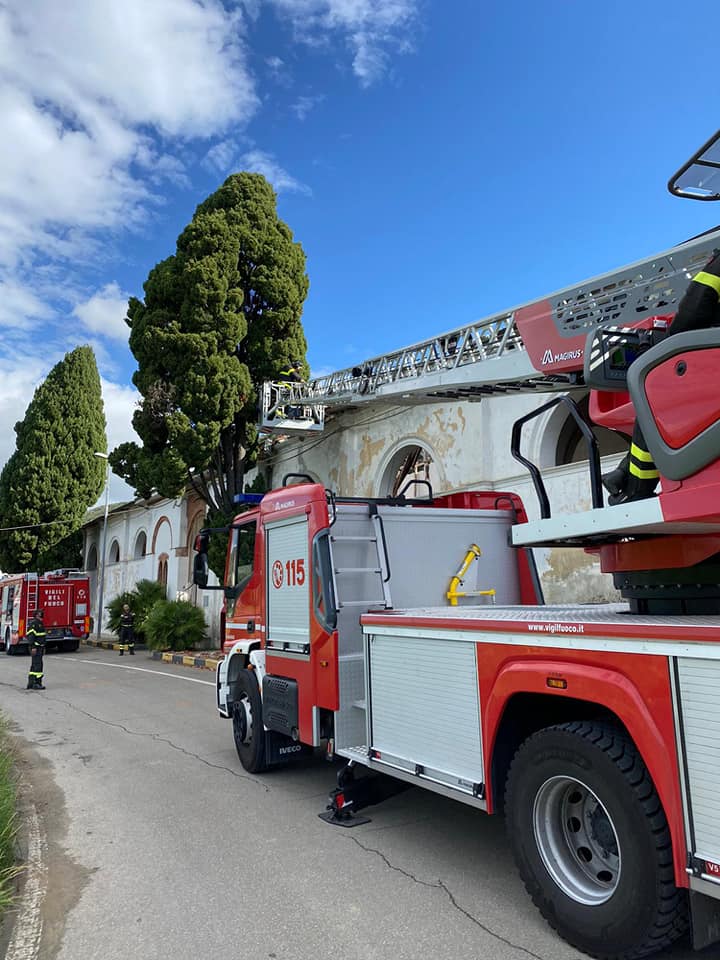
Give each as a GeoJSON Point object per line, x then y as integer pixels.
{"type": "Point", "coordinates": [288, 580]}
{"type": "Point", "coordinates": [425, 707]}
{"type": "Point", "coordinates": [699, 696]}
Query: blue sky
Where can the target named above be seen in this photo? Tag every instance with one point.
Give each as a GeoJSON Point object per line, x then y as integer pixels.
{"type": "Point", "coordinates": [438, 161]}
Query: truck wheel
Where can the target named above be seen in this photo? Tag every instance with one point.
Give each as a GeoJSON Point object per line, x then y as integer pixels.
{"type": "Point", "coordinates": [591, 841]}
{"type": "Point", "coordinates": [70, 646]}
{"type": "Point", "coordinates": [9, 649]}
{"type": "Point", "coordinates": [248, 730]}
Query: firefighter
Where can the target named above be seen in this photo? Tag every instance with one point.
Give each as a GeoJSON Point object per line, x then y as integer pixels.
{"type": "Point", "coordinates": [290, 374]}
{"type": "Point", "coordinates": [36, 634]}
{"type": "Point", "coordinates": [636, 476]}
{"type": "Point", "coordinates": [127, 630]}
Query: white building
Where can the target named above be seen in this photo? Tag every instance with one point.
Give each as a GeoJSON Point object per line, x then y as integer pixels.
{"type": "Point", "coordinates": [149, 540]}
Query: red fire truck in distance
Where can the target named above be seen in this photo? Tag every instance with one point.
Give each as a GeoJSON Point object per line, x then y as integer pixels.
{"type": "Point", "coordinates": [62, 595]}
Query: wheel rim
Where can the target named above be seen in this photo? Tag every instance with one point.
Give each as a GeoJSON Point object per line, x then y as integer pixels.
{"type": "Point", "coordinates": [577, 840]}
{"type": "Point", "coordinates": [246, 723]}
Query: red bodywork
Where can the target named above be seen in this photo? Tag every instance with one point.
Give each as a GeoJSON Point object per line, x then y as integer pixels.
{"type": "Point", "coordinates": [317, 676]}
{"type": "Point", "coordinates": [634, 687]}
{"type": "Point", "coordinates": [63, 598]}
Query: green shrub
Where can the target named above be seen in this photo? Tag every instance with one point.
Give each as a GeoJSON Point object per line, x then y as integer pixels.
{"type": "Point", "coordinates": [174, 625]}
{"type": "Point", "coordinates": [140, 600]}
{"type": "Point", "coordinates": [8, 822]}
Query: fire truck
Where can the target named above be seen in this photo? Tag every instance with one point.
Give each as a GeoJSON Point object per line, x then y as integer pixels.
{"type": "Point", "coordinates": [408, 636]}
{"type": "Point", "coordinates": [62, 595]}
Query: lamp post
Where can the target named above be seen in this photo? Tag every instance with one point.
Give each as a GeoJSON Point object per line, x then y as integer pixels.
{"type": "Point", "coordinates": [101, 584]}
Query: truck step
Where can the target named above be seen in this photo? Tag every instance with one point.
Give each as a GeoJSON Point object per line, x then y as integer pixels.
{"type": "Point", "coordinates": [363, 539]}
{"type": "Point", "coordinates": [358, 570]}
{"type": "Point", "coordinates": [379, 602]}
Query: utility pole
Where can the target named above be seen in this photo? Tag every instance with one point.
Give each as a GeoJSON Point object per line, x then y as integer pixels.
{"type": "Point", "coordinates": [101, 583]}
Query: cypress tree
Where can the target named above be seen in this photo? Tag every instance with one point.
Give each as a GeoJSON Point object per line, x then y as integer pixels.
{"type": "Point", "coordinates": [219, 316]}
{"type": "Point", "coordinates": [53, 476]}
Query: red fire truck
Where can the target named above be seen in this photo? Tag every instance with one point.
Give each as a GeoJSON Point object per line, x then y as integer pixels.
{"type": "Point", "coordinates": [594, 729]}
{"type": "Point", "coordinates": [64, 597]}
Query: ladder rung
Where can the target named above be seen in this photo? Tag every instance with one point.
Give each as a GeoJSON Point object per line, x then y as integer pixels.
{"type": "Point", "coordinates": [365, 539]}
{"type": "Point", "coordinates": [358, 570]}
{"type": "Point", "coordinates": [363, 603]}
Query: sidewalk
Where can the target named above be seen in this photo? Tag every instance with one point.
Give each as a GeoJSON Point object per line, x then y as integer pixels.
{"type": "Point", "coordinates": [204, 661]}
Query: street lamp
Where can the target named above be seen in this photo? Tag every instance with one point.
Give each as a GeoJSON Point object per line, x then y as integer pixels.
{"type": "Point", "coordinates": [101, 584]}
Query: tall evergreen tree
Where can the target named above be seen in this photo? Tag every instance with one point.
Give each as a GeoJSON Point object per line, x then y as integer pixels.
{"type": "Point", "coordinates": [53, 476]}
{"type": "Point", "coordinates": [219, 316]}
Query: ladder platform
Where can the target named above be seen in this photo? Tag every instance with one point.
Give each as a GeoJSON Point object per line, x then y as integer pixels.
{"type": "Point", "coordinates": [643, 518]}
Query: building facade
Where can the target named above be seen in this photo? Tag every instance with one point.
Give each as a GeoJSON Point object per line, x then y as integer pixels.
{"type": "Point", "coordinates": [150, 540]}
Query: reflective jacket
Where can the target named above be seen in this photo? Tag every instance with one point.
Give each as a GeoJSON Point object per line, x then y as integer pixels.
{"type": "Point", "coordinates": [36, 633]}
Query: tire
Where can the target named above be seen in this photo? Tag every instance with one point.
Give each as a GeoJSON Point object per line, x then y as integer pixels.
{"type": "Point", "coordinates": [248, 730]}
{"type": "Point", "coordinates": [9, 648]}
{"type": "Point", "coordinates": [70, 646]}
{"type": "Point", "coordinates": [591, 841]}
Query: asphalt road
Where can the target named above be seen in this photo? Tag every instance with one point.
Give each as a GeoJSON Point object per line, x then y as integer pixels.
{"type": "Point", "coordinates": [156, 844]}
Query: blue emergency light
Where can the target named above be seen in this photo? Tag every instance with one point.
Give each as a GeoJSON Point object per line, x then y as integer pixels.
{"type": "Point", "coordinates": [247, 498]}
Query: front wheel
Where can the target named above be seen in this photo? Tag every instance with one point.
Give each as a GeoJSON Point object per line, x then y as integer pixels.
{"type": "Point", "coordinates": [9, 649]}
{"type": "Point", "coordinates": [248, 729]}
{"type": "Point", "coordinates": [592, 843]}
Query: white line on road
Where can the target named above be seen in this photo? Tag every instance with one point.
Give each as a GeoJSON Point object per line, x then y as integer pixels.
{"type": "Point", "coordinates": [158, 673]}
{"type": "Point", "coordinates": [27, 930]}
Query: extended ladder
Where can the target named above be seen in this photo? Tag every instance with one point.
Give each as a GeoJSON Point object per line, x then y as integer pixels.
{"type": "Point", "coordinates": [489, 357]}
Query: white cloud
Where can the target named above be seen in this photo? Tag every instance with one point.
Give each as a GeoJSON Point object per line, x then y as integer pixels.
{"type": "Point", "coordinates": [19, 307]}
{"type": "Point", "coordinates": [371, 28]}
{"type": "Point", "coordinates": [220, 156]}
{"type": "Point", "coordinates": [104, 313]}
{"type": "Point", "coordinates": [257, 161]}
{"type": "Point", "coordinates": [304, 105]}
{"type": "Point", "coordinates": [82, 83]}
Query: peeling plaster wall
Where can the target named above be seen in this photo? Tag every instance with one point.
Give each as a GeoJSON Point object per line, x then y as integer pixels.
{"type": "Point", "coordinates": [470, 447]}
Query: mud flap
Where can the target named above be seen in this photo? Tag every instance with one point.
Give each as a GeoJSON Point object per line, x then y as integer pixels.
{"type": "Point", "coordinates": [704, 920]}
{"type": "Point", "coordinates": [280, 749]}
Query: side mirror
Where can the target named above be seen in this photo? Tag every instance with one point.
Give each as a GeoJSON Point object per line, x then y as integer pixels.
{"type": "Point", "coordinates": [200, 568]}
{"type": "Point", "coordinates": [202, 541]}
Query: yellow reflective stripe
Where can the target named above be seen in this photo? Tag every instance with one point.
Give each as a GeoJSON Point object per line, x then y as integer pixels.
{"type": "Point", "coordinates": [640, 454]}
{"type": "Point", "coordinates": [33, 673]}
{"type": "Point", "coordinates": [709, 280]}
{"type": "Point", "coordinates": [643, 474]}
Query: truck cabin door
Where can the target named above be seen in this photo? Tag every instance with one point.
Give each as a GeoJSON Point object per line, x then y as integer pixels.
{"type": "Point", "coordinates": [243, 585]}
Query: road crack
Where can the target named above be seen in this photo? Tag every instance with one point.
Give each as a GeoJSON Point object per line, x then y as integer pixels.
{"type": "Point", "coordinates": [440, 885]}
{"type": "Point", "coordinates": [157, 738]}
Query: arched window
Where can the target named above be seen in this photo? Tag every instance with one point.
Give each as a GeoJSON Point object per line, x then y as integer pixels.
{"type": "Point", "coordinates": [114, 555]}
{"type": "Point", "coordinates": [140, 546]}
{"type": "Point", "coordinates": [92, 558]}
{"type": "Point", "coordinates": [571, 447]}
{"type": "Point", "coordinates": [410, 463]}
{"type": "Point", "coordinates": [162, 574]}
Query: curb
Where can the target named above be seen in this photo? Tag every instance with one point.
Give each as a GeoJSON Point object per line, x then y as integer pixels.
{"type": "Point", "coordinates": [204, 663]}
{"type": "Point", "coordinates": [109, 644]}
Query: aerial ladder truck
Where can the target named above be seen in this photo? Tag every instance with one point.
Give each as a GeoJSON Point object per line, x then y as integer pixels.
{"type": "Point", "coordinates": [594, 729]}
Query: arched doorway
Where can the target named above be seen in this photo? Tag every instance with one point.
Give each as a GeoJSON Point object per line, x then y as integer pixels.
{"type": "Point", "coordinates": [571, 447]}
{"type": "Point", "coordinates": [409, 469]}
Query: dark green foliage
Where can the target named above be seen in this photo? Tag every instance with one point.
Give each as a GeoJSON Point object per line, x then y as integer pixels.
{"type": "Point", "coordinates": [174, 625]}
{"type": "Point", "coordinates": [141, 600]}
{"type": "Point", "coordinates": [53, 477]}
{"type": "Point", "coordinates": [66, 554]}
{"type": "Point", "coordinates": [219, 316]}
